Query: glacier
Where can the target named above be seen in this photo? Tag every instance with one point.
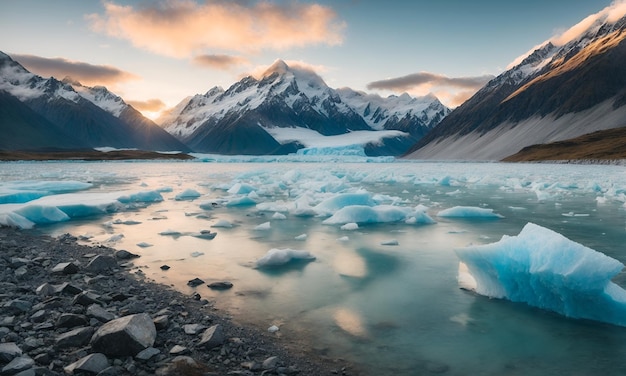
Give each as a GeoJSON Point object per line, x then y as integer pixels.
{"type": "Point", "coordinates": [544, 269]}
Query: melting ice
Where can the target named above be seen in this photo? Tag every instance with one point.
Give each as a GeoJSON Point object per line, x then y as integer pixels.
{"type": "Point", "coordinates": [544, 269]}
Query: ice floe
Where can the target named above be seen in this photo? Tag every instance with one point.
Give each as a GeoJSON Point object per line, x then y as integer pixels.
{"type": "Point", "coordinates": [278, 257]}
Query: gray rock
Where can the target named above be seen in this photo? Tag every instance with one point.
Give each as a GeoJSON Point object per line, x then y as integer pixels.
{"type": "Point", "coordinates": [67, 289]}
{"type": "Point", "coordinates": [112, 371]}
{"type": "Point", "coordinates": [65, 268]}
{"type": "Point", "coordinates": [125, 255]}
{"type": "Point", "coordinates": [17, 365]}
{"type": "Point", "coordinates": [71, 320]}
{"type": "Point", "coordinates": [212, 337]}
{"type": "Point", "coordinates": [178, 350]}
{"type": "Point", "coordinates": [22, 273]}
{"type": "Point", "coordinates": [223, 285]}
{"type": "Point", "coordinates": [91, 364]}
{"type": "Point", "coordinates": [45, 290]}
{"type": "Point", "coordinates": [161, 322]}
{"type": "Point", "coordinates": [100, 264]}
{"type": "Point", "coordinates": [125, 336]}
{"type": "Point", "coordinates": [195, 282]}
{"type": "Point", "coordinates": [32, 372]}
{"type": "Point", "coordinates": [18, 306]}
{"type": "Point", "coordinates": [9, 351]}
{"type": "Point", "coordinates": [39, 316]}
{"type": "Point", "coordinates": [165, 267]}
{"type": "Point", "coordinates": [87, 298]}
{"type": "Point", "coordinates": [17, 262]}
{"type": "Point", "coordinates": [270, 363]}
{"type": "Point", "coordinates": [32, 343]}
{"type": "Point", "coordinates": [74, 338]}
{"type": "Point", "coordinates": [193, 328]}
{"type": "Point", "coordinates": [100, 313]}
{"type": "Point", "coordinates": [147, 353]}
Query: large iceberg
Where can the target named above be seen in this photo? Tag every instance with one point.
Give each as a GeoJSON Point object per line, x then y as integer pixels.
{"type": "Point", "coordinates": [545, 269]}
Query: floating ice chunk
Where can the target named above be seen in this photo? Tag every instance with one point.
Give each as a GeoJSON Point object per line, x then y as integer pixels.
{"type": "Point", "coordinates": [517, 208]}
{"type": "Point", "coordinates": [208, 205]}
{"type": "Point", "coordinates": [601, 200]}
{"type": "Point", "coordinates": [188, 194]}
{"type": "Point", "coordinates": [350, 226]}
{"type": "Point", "coordinates": [279, 216]}
{"type": "Point", "coordinates": [15, 220]}
{"type": "Point", "coordinates": [114, 238]}
{"type": "Point", "coordinates": [144, 245]}
{"type": "Point", "coordinates": [419, 217]}
{"type": "Point", "coordinates": [279, 206]}
{"type": "Point", "coordinates": [330, 206]}
{"type": "Point", "coordinates": [572, 214]}
{"type": "Point", "coordinates": [169, 232]}
{"type": "Point", "coordinates": [301, 237]}
{"type": "Point", "coordinates": [241, 189]}
{"type": "Point", "coordinates": [223, 224]}
{"type": "Point", "coordinates": [241, 201]}
{"type": "Point", "coordinates": [196, 254]}
{"type": "Point", "coordinates": [277, 257]}
{"type": "Point", "coordinates": [127, 222]}
{"type": "Point", "coordinates": [204, 234]}
{"type": "Point", "coordinates": [390, 242]}
{"type": "Point", "coordinates": [367, 214]}
{"type": "Point", "coordinates": [544, 269]}
{"type": "Point", "coordinates": [343, 239]}
{"type": "Point", "coordinates": [263, 227]}
{"type": "Point", "coordinates": [468, 212]}
{"type": "Point", "coordinates": [165, 189]}
{"type": "Point", "coordinates": [42, 214]}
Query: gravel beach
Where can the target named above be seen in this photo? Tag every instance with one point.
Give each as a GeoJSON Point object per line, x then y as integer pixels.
{"type": "Point", "coordinates": [70, 309]}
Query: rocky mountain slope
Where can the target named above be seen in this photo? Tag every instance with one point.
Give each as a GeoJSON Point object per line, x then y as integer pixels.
{"type": "Point", "coordinates": [258, 116]}
{"type": "Point", "coordinates": [48, 113]}
{"type": "Point", "coordinates": [556, 93]}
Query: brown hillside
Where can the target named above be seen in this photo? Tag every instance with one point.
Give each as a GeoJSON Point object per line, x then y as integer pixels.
{"type": "Point", "coordinates": [601, 145]}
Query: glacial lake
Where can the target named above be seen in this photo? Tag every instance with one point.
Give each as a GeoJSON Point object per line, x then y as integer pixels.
{"type": "Point", "coordinates": [384, 295]}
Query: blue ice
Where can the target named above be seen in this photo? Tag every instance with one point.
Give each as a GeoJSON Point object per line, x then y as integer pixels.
{"type": "Point", "coordinates": [377, 214]}
{"type": "Point", "coordinates": [278, 257]}
{"type": "Point", "coordinates": [468, 212]}
{"type": "Point", "coordinates": [544, 269]}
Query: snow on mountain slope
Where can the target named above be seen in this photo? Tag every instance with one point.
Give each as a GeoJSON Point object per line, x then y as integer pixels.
{"type": "Point", "coordinates": [294, 97]}
{"type": "Point", "coordinates": [101, 97]}
{"type": "Point", "coordinates": [569, 86]}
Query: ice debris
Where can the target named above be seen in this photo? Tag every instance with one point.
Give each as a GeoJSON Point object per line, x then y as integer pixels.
{"type": "Point", "coordinates": [544, 269]}
{"type": "Point", "coordinates": [278, 257]}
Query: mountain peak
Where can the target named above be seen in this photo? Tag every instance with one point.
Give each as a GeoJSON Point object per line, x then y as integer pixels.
{"type": "Point", "coordinates": [279, 66]}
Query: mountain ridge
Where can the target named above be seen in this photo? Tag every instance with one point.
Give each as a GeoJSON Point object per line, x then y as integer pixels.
{"type": "Point", "coordinates": [284, 96]}
{"type": "Point", "coordinates": [582, 80]}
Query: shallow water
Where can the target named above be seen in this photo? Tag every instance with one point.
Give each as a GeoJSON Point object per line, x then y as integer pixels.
{"type": "Point", "coordinates": [395, 309]}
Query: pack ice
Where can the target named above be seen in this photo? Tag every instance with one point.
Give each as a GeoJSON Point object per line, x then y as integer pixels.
{"type": "Point", "coordinates": [545, 269]}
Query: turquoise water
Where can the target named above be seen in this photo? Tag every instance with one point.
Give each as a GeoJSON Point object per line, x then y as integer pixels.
{"type": "Point", "coordinates": [394, 309]}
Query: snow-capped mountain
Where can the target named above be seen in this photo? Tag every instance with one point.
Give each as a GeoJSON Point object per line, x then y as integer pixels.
{"type": "Point", "coordinates": [257, 116]}
{"type": "Point", "coordinates": [559, 91]}
{"type": "Point", "coordinates": [71, 115]}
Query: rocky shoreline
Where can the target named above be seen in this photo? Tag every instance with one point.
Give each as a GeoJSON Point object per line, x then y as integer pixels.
{"type": "Point", "coordinates": [67, 308]}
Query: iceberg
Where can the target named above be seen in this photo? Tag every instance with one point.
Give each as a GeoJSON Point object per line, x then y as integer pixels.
{"type": "Point", "coordinates": [468, 212]}
{"type": "Point", "coordinates": [278, 257]}
{"type": "Point", "coordinates": [544, 269]}
{"type": "Point", "coordinates": [360, 214]}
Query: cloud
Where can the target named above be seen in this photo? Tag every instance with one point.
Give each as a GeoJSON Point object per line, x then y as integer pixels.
{"type": "Point", "coordinates": [182, 28]}
{"type": "Point", "coordinates": [414, 80]}
{"type": "Point", "coordinates": [219, 61]}
{"type": "Point", "coordinates": [452, 91]}
{"type": "Point", "coordinates": [88, 74]}
{"type": "Point", "coordinates": [258, 71]}
{"type": "Point", "coordinates": [150, 105]}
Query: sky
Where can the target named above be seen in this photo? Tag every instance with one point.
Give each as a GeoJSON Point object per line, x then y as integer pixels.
{"type": "Point", "coordinates": [155, 53]}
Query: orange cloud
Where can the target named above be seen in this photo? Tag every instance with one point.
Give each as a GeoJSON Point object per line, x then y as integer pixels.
{"type": "Point", "coordinates": [219, 61]}
{"type": "Point", "coordinates": [87, 74]}
{"type": "Point", "coordinates": [181, 28]}
{"type": "Point", "coordinates": [150, 105]}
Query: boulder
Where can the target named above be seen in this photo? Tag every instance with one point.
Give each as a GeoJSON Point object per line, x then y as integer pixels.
{"type": "Point", "coordinates": [222, 285]}
{"type": "Point", "coordinates": [195, 282]}
{"type": "Point", "coordinates": [17, 365]}
{"type": "Point", "coordinates": [125, 336]}
{"type": "Point", "coordinates": [212, 337]}
{"type": "Point", "coordinates": [71, 320]}
{"type": "Point", "coordinates": [100, 313]}
{"type": "Point", "coordinates": [65, 268]}
{"type": "Point", "coordinates": [123, 254]}
{"type": "Point", "coordinates": [9, 351]}
{"type": "Point", "coordinates": [101, 264]}
{"type": "Point", "coordinates": [74, 338]}
{"type": "Point", "coordinates": [91, 364]}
